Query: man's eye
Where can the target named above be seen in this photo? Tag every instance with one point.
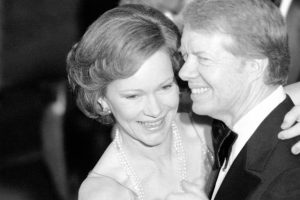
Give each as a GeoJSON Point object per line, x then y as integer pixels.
{"type": "Point", "coordinates": [202, 59]}
{"type": "Point", "coordinates": [165, 87]}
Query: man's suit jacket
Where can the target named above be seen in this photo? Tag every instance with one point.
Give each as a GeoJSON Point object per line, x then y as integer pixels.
{"type": "Point", "coordinates": [265, 169]}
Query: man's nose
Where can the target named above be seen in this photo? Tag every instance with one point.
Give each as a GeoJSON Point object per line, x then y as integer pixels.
{"type": "Point", "coordinates": [187, 71]}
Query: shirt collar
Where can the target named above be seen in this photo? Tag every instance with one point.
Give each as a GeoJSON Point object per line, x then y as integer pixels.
{"type": "Point", "coordinates": [255, 116]}
{"type": "Point", "coordinates": [247, 125]}
{"type": "Point", "coordinates": [285, 6]}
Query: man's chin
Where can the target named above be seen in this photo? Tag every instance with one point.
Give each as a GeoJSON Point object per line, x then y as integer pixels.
{"type": "Point", "coordinates": [201, 109]}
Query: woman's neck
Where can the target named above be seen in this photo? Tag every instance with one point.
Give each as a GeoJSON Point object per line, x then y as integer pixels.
{"type": "Point", "coordinates": [163, 164]}
{"type": "Point", "coordinates": [139, 151]}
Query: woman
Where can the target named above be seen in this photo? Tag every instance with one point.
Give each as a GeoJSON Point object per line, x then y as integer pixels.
{"type": "Point", "coordinates": [122, 71]}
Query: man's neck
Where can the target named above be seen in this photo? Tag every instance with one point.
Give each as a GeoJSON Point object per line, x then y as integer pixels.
{"type": "Point", "coordinates": [256, 95]}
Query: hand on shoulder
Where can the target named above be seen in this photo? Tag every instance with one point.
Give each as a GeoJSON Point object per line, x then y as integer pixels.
{"type": "Point", "coordinates": [105, 188]}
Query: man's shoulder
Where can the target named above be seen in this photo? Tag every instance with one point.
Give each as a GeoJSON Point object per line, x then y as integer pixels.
{"type": "Point", "coordinates": [284, 186]}
{"type": "Point", "coordinates": [272, 156]}
{"type": "Point", "coordinates": [282, 155]}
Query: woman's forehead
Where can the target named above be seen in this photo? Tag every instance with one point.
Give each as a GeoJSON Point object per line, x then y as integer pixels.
{"type": "Point", "coordinates": [154, 71]}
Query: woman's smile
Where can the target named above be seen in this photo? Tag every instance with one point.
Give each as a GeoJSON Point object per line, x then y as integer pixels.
{"type": "Point", "coordinates": [152, 125]}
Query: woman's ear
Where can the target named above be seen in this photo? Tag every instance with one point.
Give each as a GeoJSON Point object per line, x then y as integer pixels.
{"type": "Point", "coordinates": [105, 109]}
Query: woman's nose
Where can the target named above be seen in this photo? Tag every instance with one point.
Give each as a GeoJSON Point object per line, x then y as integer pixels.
{"type": "Point", "coordinates": [153, 106]}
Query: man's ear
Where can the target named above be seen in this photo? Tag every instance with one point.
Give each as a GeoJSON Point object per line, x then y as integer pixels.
{"type": "Point", "coordinates": [105, 109]}
{"type": "Point", "coordinates": [256, 68]}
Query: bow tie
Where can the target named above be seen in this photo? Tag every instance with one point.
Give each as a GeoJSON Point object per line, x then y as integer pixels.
{"type": "Point", "coordinates": [223, 139]}
{"type": "Point", "coordinates": [277, 2]}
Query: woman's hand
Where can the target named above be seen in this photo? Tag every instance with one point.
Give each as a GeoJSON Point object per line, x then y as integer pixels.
{"type": "Point", "coordinates": [191, 191]}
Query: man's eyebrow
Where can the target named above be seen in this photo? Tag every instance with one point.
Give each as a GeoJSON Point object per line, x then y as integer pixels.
{"type": "Point", "coordinates": [197, 53]}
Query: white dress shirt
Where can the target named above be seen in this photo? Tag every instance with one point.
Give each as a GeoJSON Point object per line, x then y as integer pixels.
{"type": "Point", "coordinates": [246, 126]}
{"type": "Point", "coordinates": [284, 7]}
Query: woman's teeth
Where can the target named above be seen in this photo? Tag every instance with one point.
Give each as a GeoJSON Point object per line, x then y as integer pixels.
{"type": "Point", "coordinates": [152, 124]}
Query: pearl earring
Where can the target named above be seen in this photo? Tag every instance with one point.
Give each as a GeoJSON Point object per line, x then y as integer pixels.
{"type": "Point", "coordinates": [105, 108]}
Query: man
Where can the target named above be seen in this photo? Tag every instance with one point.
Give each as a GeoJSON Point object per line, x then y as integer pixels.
{"type": "Point", "coordinates": [236, 61]}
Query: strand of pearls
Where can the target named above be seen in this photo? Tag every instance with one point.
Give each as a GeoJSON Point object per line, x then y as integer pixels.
{"type": "Point", "coordinates": [208, 159]}
{"type": "Point", "coordinates": [135, 180]}
{"type": "Point", "coordinates": [178, 146]}
{"type": "Point", "coordinates": [207, 154]}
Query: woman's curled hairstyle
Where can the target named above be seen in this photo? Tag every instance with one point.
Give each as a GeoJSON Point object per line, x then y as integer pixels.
{"type": "Point", "coordinates": [114, 47]}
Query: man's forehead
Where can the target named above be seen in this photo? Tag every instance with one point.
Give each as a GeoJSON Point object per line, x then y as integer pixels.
{"type": "Point", "coordinates": [184, 39]}
{"type": "Point", "coordinates": [191, 39]}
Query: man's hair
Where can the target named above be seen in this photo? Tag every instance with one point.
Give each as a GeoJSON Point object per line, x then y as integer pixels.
{"type": "Point", "coordinates": [173, 6]}
{"type": "Point", "coordinates": [256, 27]}
{"type": "Point", "coordinates": [114, 47]}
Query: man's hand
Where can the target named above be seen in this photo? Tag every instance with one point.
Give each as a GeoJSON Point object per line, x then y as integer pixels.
{"type": "Point", "coordinates": [191, 191]}
{"type": "Point", "coordinates": [290, 128]}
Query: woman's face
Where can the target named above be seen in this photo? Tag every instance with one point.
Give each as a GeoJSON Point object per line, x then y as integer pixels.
{"type": "Point", "coordinates": [145, 104]}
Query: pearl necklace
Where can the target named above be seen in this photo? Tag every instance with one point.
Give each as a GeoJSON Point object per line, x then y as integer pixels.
{"type": "Point", "coordinates": [135, 180]}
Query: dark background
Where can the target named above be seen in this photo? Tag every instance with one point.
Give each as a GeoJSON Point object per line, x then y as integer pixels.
{"type": "Point", "coordinates": [45, 150]}
{"type": "Point", "coordinates": [47, 146]}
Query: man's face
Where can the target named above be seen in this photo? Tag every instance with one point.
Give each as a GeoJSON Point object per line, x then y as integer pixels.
{"type": "Point", "coordinates": [217, 78]}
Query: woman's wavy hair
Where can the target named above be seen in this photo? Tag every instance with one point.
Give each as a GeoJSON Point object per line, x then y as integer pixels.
{"type": "Point", "coordinates": [114, 47]}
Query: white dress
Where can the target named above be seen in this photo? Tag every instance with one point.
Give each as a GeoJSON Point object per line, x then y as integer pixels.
{"type": "Point", "coordinates": [196, 142]}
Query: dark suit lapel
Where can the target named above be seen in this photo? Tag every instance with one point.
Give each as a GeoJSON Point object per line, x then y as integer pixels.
{"type": "Point", "coordinates": [244, 174]}
{"type": "Point", "coordinates": [238, 182]}
{"type": "Point", "coordinates": [261, 144]}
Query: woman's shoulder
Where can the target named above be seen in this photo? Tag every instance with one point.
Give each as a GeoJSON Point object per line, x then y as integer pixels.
{"type": "Point", "coordinates": [109, 165]}
{"type": "Point", "coordinates": [196, 137]}
{"type": "Point", "coordinates": [103, 187]}
{"type": "Point", "coordinates": [107, 171]}
{"type": "Point", "coordinates": [107, 161]}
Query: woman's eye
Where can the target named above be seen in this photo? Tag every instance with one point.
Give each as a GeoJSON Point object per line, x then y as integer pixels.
{"type": "Point", "coordinates": [184, 56]}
